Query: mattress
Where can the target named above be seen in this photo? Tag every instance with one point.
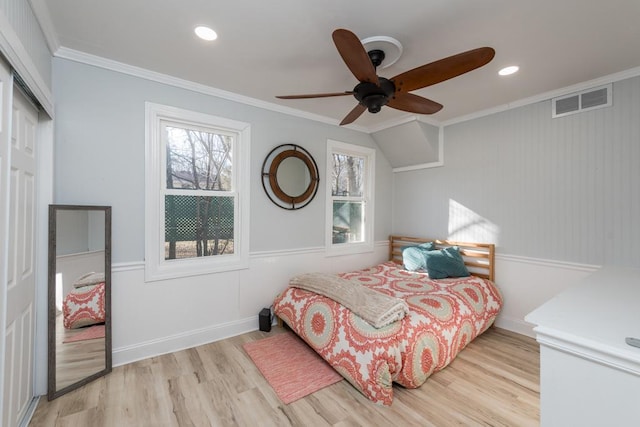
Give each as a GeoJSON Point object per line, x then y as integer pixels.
{"type": "Point", "coordinates": [444, 316]}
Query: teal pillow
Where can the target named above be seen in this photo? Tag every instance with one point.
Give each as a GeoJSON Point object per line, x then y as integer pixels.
{"type": "Point", "coordinates": [414, 257]}
{"type": "Point", "coordinates": [446, 262]}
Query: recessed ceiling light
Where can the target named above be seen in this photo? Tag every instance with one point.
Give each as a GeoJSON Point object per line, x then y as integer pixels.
{"type": "Point", "coordinates": [509, 70]}
{"type": "Point", "coordinates": [205, 33]}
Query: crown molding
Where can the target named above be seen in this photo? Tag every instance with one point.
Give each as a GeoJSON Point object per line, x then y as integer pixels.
{"type": "Point", "coordinates": [108, 64]}
{"type": "Point", "coordinates": [600, 81]}
{"type": "Point", "coordinates": [89, 59]}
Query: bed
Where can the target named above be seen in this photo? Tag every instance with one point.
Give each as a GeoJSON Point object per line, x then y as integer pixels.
{"type": "Point", "coordinates": [84, 304]}
{"type": "Point", "coordinates": [443, 316]}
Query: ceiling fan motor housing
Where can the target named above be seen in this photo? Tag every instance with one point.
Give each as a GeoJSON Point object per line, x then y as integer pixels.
{"type": "Point", "coordinates": [372, 96]}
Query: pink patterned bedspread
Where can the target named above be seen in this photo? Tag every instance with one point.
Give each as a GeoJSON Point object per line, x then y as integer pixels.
{"type": "Point", "coordinates": [444, 316]}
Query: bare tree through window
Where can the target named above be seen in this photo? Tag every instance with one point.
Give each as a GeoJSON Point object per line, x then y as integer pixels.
{"type": "Point", "coordinates": [199, 200]}
{"type": "Point", "coordinates": [347, 192]}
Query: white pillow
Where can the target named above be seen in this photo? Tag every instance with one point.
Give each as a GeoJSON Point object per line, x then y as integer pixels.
{"type": "Point", "coordinates": [88, 279]}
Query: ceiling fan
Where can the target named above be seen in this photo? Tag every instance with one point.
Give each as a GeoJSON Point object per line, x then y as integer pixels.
{"type": "Point", "coordinates": [374, 92]}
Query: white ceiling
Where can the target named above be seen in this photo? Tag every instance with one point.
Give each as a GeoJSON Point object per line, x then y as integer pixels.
{"type": "Point", "coordinates": [281, 47]}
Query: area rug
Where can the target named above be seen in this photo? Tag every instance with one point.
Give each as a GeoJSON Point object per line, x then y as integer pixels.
{"type": "Point", "coordinates": [290, 366]}
{"type": "Point", "coordinates": [90, 333]}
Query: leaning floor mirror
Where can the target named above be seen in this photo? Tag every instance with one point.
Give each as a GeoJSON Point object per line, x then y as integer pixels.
{"type": "Point", "coordinates": [79, 296]}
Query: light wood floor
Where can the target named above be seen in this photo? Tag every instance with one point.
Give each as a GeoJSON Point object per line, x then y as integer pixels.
{"type": "Point", "coordinates": [76, 360]}
{"type": "Point", "coordinates": [493, 382]}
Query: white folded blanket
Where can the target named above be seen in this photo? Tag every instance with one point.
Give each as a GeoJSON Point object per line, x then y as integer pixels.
{"type": "Point", "coordinates": [374, 307]}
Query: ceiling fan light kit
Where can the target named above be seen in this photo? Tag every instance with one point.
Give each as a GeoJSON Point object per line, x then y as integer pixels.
{"type": "Point", "coordinates": [374, 92]}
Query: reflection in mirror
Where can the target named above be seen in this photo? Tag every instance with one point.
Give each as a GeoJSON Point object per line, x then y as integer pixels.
{"type": "Point", "coordinates": [293, 176]}
{"type": "Point", "coordinates": [290, 176]}
{"type": "Point", "coordinates": [79, 296]}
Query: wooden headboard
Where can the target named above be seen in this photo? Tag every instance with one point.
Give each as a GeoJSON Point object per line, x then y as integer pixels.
{"type": "Point", "coordinates": [478, 257]}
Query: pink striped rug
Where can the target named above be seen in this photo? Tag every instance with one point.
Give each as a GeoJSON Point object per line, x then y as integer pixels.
{"type": "Point", "coordinates": [90, 333]}
{"type": "Point", "coordinates": [290, 366]}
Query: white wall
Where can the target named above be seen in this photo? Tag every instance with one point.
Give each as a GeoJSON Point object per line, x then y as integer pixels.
{"type": "Point", "coordinates": [156, 318]}
{"type": "Point", "coordinates": [100, 160]}
{"type": "Point", "coordinates": [526, 283]}
{"type": "Point", "coordinates": [557, 196]}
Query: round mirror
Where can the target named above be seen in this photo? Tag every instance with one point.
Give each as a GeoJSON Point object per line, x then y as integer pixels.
{"type": "Point", "coordinates": [290, 176]}
{"type": "Point", "coordinates": [293, 176]}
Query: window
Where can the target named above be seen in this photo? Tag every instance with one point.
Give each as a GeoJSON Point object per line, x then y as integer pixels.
{"type": "Point", "coordinates": [350, 172]}
{"type": "Point", "coordinates": [197, 193]}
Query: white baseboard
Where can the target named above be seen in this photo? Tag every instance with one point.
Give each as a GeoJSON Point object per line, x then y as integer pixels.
{"type": "Point", "coordinates": [515, 325]}
{"type": "Point", "coordinates": [31, 409]}
{"type": "Point", "coordinates": [170, 344]}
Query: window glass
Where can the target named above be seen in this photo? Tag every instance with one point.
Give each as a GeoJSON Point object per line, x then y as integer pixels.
{"type": "Point", "coordinates": [197, 193]}
{"type": "Point", "coordinates": [348, 204]}
{"type": "Point", "coordinates": [196, 226]}
{"type": "Point", "coordinates": [198, 160]}
{"type": "Point", "coordinates": [200, 224]}
{"type": "Point", "coordinates": [347, 177]}
{"type": "Point", "coordinates": [350, 168]}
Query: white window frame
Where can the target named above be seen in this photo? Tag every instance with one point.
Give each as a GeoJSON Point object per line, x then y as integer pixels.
{"type": "Point", "coordinates": [369, 154]}
{"type": "Point", "coordinates": [156, 267]}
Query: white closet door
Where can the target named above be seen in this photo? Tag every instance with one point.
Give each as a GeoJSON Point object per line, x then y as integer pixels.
{"type": "Point", "coordinates": [20, 258]}
{"type": "Point", "coordinates": [5, 148]}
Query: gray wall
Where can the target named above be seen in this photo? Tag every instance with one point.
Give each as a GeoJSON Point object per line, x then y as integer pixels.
{"type": "Point", "coordinates": [565, 189]}
{"type": "Point", "coordinates": [409, 144]}
{"type": "Point", "coordinates": [72, 232]}
{"type": "Point", "coordinates": [100, 159]}
{"type": "Point", "coordinates": [79, 231]}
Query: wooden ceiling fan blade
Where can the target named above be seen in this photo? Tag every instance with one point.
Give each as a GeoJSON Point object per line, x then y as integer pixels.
{"type": "Point", "coordinates": [444, 69]}
{"type": "Point", "coordinates": [355, 56]}
{"type": "Point", "coordinates": [353, 114]}
{"type": "Point", "coordinates": [413, 103]}
{"type": "Point", "coordinates": [315, 95]}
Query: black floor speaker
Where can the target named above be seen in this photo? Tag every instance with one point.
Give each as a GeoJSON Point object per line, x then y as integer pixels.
{"type": "Point", "coordinates": [264, 319]}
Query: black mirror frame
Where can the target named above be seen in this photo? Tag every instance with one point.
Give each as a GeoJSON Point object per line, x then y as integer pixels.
{"type": "Point", "coordinates": [52, 393]}
{"type": "Point", "coordinates": [272, 187]}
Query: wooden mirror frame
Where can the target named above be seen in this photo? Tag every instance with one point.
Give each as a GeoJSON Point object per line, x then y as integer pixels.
{"type": "Point", "coordinates": [52, 392]}
{"type": "Point", "coordinates": [273, 188]}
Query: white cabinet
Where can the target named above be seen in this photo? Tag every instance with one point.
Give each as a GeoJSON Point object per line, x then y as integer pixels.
{"type": "Point", "coordinates": [589, 376]}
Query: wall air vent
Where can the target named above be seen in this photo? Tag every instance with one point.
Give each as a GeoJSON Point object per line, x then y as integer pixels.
{"type": "Point", "coordinates": [582, 101]}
